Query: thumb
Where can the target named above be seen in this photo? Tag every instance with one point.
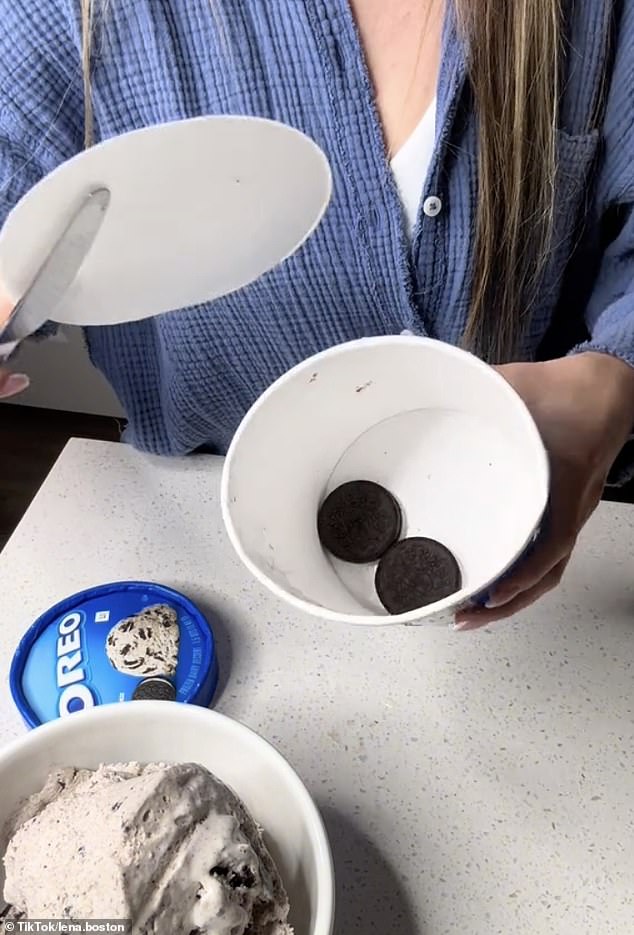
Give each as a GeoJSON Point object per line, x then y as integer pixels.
{"type": "Point", "coordinates": [12, 383]}
{"type": "Point", "coordinates": [6, 307]}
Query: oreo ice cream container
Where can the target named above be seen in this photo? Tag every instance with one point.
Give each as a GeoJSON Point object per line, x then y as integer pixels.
{"type": "Point", "coordinates": [117, 642]}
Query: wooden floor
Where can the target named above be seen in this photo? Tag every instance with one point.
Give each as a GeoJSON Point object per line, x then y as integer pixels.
{"type": "Point", "coordinates": [30, 442]}
{"type": "Point", "coordinates": [32, 439]}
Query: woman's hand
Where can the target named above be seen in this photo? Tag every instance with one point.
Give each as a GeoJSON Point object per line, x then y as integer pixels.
{"type": "Point", "coordinates": [10, 383]}
{"type": "Point", "coordinates": [584, 408]}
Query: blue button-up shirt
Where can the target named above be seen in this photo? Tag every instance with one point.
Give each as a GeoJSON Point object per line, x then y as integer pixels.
{"type": "Point", "coordinates": [187, 378]}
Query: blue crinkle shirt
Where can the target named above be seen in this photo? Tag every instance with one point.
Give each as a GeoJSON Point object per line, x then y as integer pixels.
{"type": "Point", "coordinates": [186, 379]}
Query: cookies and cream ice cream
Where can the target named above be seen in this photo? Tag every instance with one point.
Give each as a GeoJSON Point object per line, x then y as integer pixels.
{"type": "Point", "coordinates": [146, 644]}
{"type": "Point", "coordinates": [168, 847]}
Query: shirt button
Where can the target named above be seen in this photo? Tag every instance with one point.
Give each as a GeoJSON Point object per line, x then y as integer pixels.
{"type": "Point", "coordinates": [432, 206]}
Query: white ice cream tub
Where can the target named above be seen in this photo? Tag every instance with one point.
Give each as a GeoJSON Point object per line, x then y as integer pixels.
{"type": "Point", "coordinates": [157, 731]}
{"type": "Point", "coordinates": [440, 429]}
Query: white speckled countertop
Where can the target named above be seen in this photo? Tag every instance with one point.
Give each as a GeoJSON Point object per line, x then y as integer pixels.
{"type": "Point", "coordinates": [472, 784]}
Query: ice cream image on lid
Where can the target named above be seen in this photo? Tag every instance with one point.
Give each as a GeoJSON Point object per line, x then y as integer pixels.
{"type": "Point", "coordinates": [146, 644]}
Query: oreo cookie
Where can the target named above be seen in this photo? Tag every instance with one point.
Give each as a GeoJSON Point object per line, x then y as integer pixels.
{"type": "Point", "coordinates": [359, 521]}
{"type": "Point", "coordinates": [416, 572]}
{"type": "Point", "coordinates": [155, 689]}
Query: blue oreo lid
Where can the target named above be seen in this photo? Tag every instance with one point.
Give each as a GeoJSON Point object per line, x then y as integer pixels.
{"type": "Point", "coordinates": [116, 642]}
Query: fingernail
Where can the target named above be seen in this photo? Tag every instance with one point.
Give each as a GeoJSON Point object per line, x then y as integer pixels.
{"type": "Point", "coordinates": [15, 383]}
{"type": "Point", "coordinates": [461, 625]}
{"type": "Point", "coordinates": [499, 600]}
{"type": "Point", "coordinates": [494, 602]}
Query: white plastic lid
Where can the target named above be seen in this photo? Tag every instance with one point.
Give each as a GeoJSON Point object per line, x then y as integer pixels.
{"type": "Point", "coordinates": [199, 208]}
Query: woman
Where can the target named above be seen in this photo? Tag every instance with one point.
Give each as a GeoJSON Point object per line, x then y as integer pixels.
{"type": "Point", "coordinates": [483, 161]}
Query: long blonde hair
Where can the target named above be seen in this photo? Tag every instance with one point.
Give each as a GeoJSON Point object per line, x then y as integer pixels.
{"type": "Point", "coordinates": [514, 70]}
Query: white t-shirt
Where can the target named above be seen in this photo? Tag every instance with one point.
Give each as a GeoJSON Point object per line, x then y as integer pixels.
{"type": "Point", "coordinates": [411, 164]}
